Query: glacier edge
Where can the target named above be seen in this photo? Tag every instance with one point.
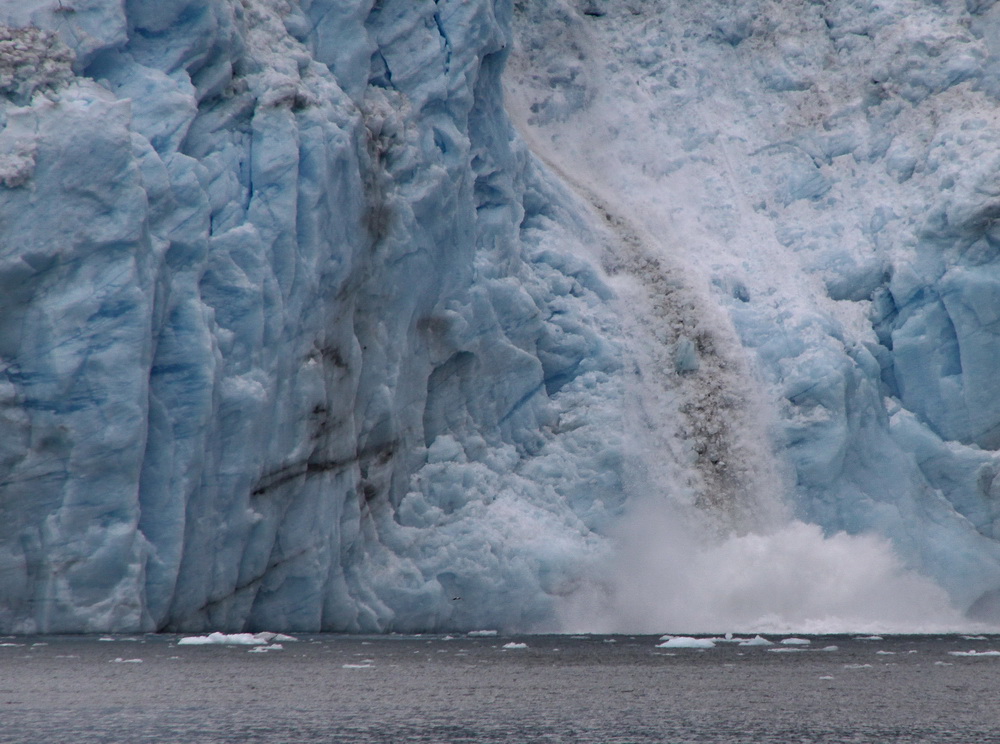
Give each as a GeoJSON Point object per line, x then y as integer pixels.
{"type": "Point", "coordinates": [297, 334]}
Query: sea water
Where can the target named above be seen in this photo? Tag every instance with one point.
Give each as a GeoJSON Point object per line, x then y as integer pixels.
{"type": "Point", "coordinates": [492, 688]}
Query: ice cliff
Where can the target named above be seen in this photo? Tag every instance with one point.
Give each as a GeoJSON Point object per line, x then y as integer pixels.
{"type": "Point", "coordinates": [273, 351]}
{"type": "Point", "coordinates": [296, 332]}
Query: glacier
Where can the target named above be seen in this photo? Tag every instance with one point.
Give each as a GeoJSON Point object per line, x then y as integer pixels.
{"type": "Point", "coordinates": [406, 315]}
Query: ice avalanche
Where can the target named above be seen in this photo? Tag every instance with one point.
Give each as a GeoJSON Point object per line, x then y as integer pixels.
{"type": "Point", "coordinates": [404, 315]}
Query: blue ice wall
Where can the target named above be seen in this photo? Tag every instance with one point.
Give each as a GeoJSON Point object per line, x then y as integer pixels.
{"type": "Point", "coordinates": [296, 334]}
{"type": "Point", "coordinates": [273, 352]}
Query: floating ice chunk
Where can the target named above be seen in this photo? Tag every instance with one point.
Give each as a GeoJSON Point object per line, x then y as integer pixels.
{"type": "Point", "coordinates": [974, 653]}
{"type": "Point", "coordinates": [105, 639]}
{"type": "Point", "coordinates": [974, 637]}
{"type": "Point", "coordinates": [687, 642]}
{"type": "Point", "coordinates": [263, 649]}
{"type": "Point", "coordinates": [481, 633]}
{"type": "Point", "coordinates": [885, 653]}
{"type": "Point", "coordinates": [785, 650]}
{"type": "Point", "coordinates": [355, 666]}
{"type": "Point", "coordinates": [513, 644]}
{"type": "Point", "coordinates": [268, 637]}
{"type": "Point", "coordinates": [11, 644]}
{"type": "Point", "coordinates": [830, 648]}
{"type": "Point", "coordinates": [827, 676]}
{"type": "Point", "coordinates": [796, 641]}
{"type": "Point", "coordinates": [757, 640]}
{"type": "Point", "coordinates": [120, 660]}
{"type": "Point", "coordinates": [857, 666]}
{"type": "Point", "coordinates": [869, 638]}
{"type": "Point", "coordinates": [196, 641]}
{"type": "Point", "coordinates": [223, 639]}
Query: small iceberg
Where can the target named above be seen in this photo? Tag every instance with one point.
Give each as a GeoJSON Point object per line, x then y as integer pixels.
{"type": "Point", "coordinates": [228, 639]}
{"type": "Point", "coordinates": [757, 640]}
{"type": "Point", "coordinates": [686, 642]}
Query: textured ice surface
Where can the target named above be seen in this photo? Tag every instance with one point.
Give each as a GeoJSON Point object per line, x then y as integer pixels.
{"type": "Point", "coordinates": [274, 352]}
{"type": "Point", "coordinates": [296, 333]}
{"type": "Point", "coordinates": [826, 174]}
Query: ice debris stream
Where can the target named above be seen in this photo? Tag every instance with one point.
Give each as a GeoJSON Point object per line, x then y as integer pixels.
{"type": "Point", "coordinates": [298, 332]}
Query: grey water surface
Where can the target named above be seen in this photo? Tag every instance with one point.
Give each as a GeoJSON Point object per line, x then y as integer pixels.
{"type": "Point", "coordinates": [600, 689]}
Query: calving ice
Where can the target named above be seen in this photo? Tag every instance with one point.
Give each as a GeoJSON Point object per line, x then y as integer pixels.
{"type": "Point", "coordinates": [406, 316]}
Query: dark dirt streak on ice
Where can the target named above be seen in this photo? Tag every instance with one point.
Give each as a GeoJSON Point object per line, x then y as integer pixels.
{"type": "Point", "coordinates": [717, 440]}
